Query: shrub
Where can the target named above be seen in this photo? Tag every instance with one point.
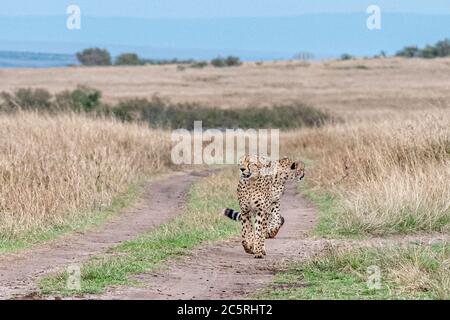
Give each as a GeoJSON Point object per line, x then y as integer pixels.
{"type": "Point", "coordinates": [94, 57]}
{"type": "Point", "coordinates": [440, 49]}
{"type": "Point", "coordinates": [230, 61]}
{"type": "Point", "coordinates": [199, 64]}
{"type": "Point", "coordinates": [128, 59]}
{"type": "Point", "coordinates": [346, 56]}
{"type": "Point", "coordinates": [443, 48]}
{"type": "Point", "coordinates": [166, 61]}
{"type": "Point", "coordinates": [428, 52]}
{"type": "Point", "coordinates": [408, 52]}
{"type": "Point", "coordinates": [26, 99]}
{"type": "Point", "coordinates": [159, 113]}
{"type": "Point", "coordinates": [218, 62]}
{"type": "Point", "coordinates": [83, 98]}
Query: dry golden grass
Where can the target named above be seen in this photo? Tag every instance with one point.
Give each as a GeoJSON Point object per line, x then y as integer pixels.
{"type": "Point", "coordinates": [382, 86]}
{"type": "Point", "coordinates": [52, 168]}
{"type": "Point", "coordinates": [389, 176]}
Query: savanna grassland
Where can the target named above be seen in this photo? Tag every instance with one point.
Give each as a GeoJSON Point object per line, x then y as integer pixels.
{"type": "Point", "coordinates": [378, 166]}
{"type": "Point", "coordinates": [55, 169]}
{"type": "Point", "coordinates": [370, 86]}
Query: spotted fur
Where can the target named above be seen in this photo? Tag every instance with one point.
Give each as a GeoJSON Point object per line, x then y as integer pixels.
{"type": "Point", "coordinates": [260, 187]}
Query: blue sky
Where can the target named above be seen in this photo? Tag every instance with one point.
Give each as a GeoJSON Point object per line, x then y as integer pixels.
{"type": "Point", "coordinates": [203, 29]}
{"type": "Point", "coordinates": [217, 8]}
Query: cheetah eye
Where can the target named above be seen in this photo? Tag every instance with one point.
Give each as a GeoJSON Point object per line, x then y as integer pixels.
{"type": "Point", "coordinates": [294, 166]}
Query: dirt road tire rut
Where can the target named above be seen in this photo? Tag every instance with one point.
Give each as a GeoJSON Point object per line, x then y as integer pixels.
{"type": "Point", "coordinates": [223, 270]}
{"type": "Point", "coordinates": [162, 200]}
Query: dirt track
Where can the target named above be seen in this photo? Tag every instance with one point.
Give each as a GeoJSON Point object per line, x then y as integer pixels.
{"type": "Point", "coordinates": [212, 271]}
{"type": "Point", "coordinates": [162, 200]}
{"type": "Point", "coordinates": [223, 270]}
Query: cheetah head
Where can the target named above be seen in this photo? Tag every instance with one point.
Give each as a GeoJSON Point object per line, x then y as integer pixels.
{"type": "Point", "coordinates": [250, 166]}
{"type": "Point", "coordinates": [295, 170]}
{"type": "Point", "coordinates": [298, 170]}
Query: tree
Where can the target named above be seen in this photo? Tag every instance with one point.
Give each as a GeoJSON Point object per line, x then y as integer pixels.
{"type": "Point", "coordinates": [232, 61]}
{"type": "Point", "coordinates": [128, 59]}
{"type": "Point", "coordinates": [429, 52]}
{"type": "Point", "coordinates": [346, 56]}
{"type": "Point", "coordinates": [443, 48]}
{"type": "Point", "coordinates": [94, 57]}
{"type": "Point", "coordinates": [218, 62]}
{"type": "Point", "coordinates": [409, 52]}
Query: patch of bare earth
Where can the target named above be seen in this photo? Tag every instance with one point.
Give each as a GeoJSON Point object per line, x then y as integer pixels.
{"type": "Point", "coordinates": [162, 201]}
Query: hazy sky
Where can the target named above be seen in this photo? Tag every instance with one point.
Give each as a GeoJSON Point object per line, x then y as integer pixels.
{"type": "Point", "coordinates": [252, 29]}
{"type": "Point", "coordinates": [215, 8]}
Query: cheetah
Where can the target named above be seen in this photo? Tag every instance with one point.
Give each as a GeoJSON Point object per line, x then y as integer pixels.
{"type": "Point", "coordinates": [260, 187]}
{"type": "Point", "coordinates": [285, 170]}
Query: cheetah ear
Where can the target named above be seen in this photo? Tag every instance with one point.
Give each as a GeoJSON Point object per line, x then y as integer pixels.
{"type": "Point", "coordinates": [241, 159]}
{"type": "Point", "coordinates": [294, 165]}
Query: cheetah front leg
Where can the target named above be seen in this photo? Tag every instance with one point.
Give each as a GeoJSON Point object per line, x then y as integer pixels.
{"type": "Point", "coordinates": [262, 216]}
{"type": "Point", "coordinates": [276, 220]}
{"type": "Point", "coordinates": [247, 231]}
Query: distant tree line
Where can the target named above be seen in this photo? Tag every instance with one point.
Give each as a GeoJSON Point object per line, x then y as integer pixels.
{"type": "Point", "coordinates": [440, 49]}
{"type": "Point", "coordinates": [101, 57]}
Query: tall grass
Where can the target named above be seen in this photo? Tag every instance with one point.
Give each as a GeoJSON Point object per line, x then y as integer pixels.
{"type": "Point", "coordinates": [388, 176]}
{"type": "Point", "coordinates": [55, 168]}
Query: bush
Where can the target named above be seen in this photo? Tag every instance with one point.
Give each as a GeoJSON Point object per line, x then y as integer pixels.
{"type": "Point", "coordinates": [26, 99]}
{"type": "Point", "coordinates": [218, 62]}
{"type": "Point", "coordinates": [428, 52]}
{"type": "Point", "coordinates": [128, 59]}
{"type": "Point", "coordinates": [83, 99]}
{"type": "Point", "coordinates": [408, 52]}
{"type": "Point", "coordinates": [94, 57]}
{"type": "Point", "coordinates": [199, 64]}
{"type": "Point", "coordinates": [230, 61]}
{"type": "Point", "coordinates": [440, 49]}
{"type": "Point", "coordinates": [443, 48]}
{"type": "Point", "coordinates": [166, 61]}
{"type": "Point", "coordinates": [346, 56]}
{"type": "Point", "coordinates": [159, 113]}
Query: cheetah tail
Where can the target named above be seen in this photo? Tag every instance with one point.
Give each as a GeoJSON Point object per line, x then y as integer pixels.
{"type": "Point", "coordinates": [230, 213]}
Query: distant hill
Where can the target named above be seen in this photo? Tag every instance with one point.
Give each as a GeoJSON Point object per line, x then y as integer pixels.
{"type": "Point", "coordinates": [261, 38]}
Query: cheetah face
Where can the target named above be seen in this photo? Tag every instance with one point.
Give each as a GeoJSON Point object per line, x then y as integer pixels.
{"type": "Point", "coordinates": [298, 169]}
{"type": "Point", "coordinates": [250, 166]}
